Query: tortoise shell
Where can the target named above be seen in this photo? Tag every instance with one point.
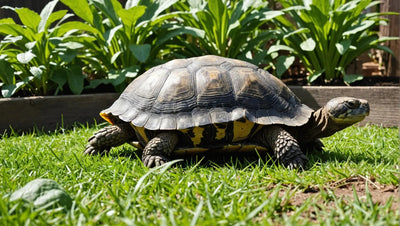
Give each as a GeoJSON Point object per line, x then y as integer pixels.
{"type": "Point", "coordinates": [208, 99]}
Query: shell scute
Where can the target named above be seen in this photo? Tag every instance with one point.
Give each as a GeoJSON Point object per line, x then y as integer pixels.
{"type": "Point", "coordinates": [195, 92]}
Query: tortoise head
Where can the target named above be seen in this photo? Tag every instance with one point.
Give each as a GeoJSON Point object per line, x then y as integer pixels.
{"type": "Point", "coordinates": [346, 111]}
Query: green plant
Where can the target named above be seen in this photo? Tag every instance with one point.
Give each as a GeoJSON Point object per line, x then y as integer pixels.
{"type": "Point", "coordinates": [122, 41]}
{"type": "Point", "coordinates": [227, 28]}
{"type": "Point", "coordinates": [35, 56]}
{"type": "Point", "coordinates": [328, 35]}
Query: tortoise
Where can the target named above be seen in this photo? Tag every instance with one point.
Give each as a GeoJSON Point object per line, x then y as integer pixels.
{"type": "Point", "coordinates": [216, 103]}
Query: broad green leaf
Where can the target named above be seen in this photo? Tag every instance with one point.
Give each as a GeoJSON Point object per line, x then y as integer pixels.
{"type": "Point", "coordinates": [37, 71]}
{"type": "Point", "coordinates": [80, 8]}
{"type": "Point", "coordinates": [109, 35]}
{"type": "Point", "coordinates": [96, 82]}
{"type": "Point", "coordinates": [359, 27]}
{"type": "Point", "coordinates": [115, 57]}
{"type": "Point", "coordinates": [308, 45]}
{"type": "Point", "coordinates": [347, 7]}
{"type": "Point", "coordinates": [75, 79]}
{"type": "Point", "coordinates": [311, 78]}
{"type": "Point", "coordinates": [67, 55]}
{"type": "Point", "coordinates": [132, 71]}
{"type": "Point", "coordinates": [177, 31]}
{"type": "Point", "coordinates": [30, 45]}
{"type": "Point", "coordinates": [68, 26]}
{"type": "Point", "coordinates": [386, 49]}
{"type": "Point", "coordinates": [276, 48]}
{"type": "Point", "coordinates": [272, 14]}
{"type": "Point", "coordinates": [6, 71]}
{"type": "Point", "coordinates": [109, 8]}
{"type": "Point", "coordinates": [141, 52]}
{"type": "Point", "coordinates": [7, 21]}
{"type": "Point", "coordinates": [131, 3]}
{"type": "Point", "coordinates": [29, 18]}
{"type": "Point", "coordinates": [55, 17]}
{"type": "Point", "coordinates": [25, 57]}
{"type": "Point", "coordinates": [116, 77]}
{"type": "Point", "coordinates": [8, 90]}
{"type": "Point", "coordinates": [283, 63]}
{"type": "Point", "coordinates": [352, 78]}
{"type": "Point", "coordinates": [158, 6]}
{"type": "Point", "coordinates": [59, 77]}
{"type": "Point", "coordinates": [45, 14]}
{"type": "Point", "coordinates": [130, 16]}
{"type": "Point", "coordinates": [15, 30]}
{"type": "Point", "coordinates": [343, 46]}
{"type": "Point", "coordinates": [11, 39]}
{"type": "Point", "coordinates": [217, 8]}
{"type": "Point", "coordinates": [296, 32]}
{"type": "Point", "coordinates": [72, 45]}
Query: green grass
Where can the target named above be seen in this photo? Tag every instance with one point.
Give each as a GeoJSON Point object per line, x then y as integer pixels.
{"type": "Point", "coordinates": [118, 190]}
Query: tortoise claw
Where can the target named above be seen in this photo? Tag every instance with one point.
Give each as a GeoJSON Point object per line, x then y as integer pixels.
{"type": "Point", "coordinates": [154, 160]}
{"type": "Point", "coordinates": [299, 162]}
{"type": "Point", "coordinates": [91, 150]}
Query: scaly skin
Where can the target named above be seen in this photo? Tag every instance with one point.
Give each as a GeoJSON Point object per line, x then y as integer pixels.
{"type": "Point", "coordinates": [285, 146]}
{"type": "Point", "coordinates": [111, 136]}
{"type": "Point", "coordinates": [158, 149]}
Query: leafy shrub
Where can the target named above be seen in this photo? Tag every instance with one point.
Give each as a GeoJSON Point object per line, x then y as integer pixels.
{"type": "Point", "coordinates": [122, 41]}
{"type": "Point", "coordinates": [35, 56]}
{"type": "Point", "coordinates": [227, 28]}
{"type": "Point", "coordinates": [328, 35]}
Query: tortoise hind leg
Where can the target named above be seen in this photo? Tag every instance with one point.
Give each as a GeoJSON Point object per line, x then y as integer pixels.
{"type": "Point", "coordinates": [285, 146]}
{"type": "Point", "coordinates": [158, 149]}
{"type": "Point", "coordinates": [111, 136]}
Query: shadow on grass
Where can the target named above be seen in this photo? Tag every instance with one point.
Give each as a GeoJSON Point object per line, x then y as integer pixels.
{"type": "Point", "coordinates": [241, 160]}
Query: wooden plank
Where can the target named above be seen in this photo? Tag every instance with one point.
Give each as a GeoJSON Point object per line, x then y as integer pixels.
{"type": "Point", "coordinates": [51, 112]}
{"type": "Point", "coordinates": [384, 101]}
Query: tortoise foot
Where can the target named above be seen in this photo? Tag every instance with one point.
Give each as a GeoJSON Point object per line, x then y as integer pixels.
{"type": "Point", "coordinates": [157, 149]}
{"type": "Point", "coordinates": [154, 160]}
{"type": "Point", "coordinates": [297, 162]}
{"type": "Point", "coordinates": [91, 150]}
{"type": "Point", "coordinates": [111, 136]}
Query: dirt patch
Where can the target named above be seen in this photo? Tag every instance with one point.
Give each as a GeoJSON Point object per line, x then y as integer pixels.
{"type": "Point", "coordinates": [324, 196]}
{"type": "Point", "coordinates": [380, 193]}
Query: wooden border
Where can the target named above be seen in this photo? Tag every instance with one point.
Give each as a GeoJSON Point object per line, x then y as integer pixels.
{"type": "Point", "coordinates": [384, 101]}
{"type": "Point", "coordinates": [52, 112]}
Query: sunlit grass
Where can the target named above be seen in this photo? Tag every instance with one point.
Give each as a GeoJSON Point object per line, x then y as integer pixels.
{"type": "Point", "coordinates": [118, 189]}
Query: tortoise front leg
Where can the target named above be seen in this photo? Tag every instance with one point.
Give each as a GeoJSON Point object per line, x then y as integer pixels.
{"type": "Point", "coordinates": [158, 149]}
{"type": "Point", "coordinates": [111, 136]}
{"type": "Point", "coordinates": [285, 146]}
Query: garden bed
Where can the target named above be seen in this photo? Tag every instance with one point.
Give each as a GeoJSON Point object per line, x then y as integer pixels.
{"type": "Point", "coordinates": [51, 112]}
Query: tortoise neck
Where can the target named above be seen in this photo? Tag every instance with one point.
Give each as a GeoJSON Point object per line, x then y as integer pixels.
{"type": "Point", "coordinates": [320, 125]}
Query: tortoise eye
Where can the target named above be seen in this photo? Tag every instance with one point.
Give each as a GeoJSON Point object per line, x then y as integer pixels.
{"type": "Point", "coordinates": [353, 104]}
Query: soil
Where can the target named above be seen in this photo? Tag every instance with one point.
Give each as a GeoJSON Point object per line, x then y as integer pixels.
{"type": "Point", "coordinates": [343, 189]}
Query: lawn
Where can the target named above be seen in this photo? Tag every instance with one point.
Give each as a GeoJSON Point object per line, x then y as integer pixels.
{"type": "Point", "coordinates": [354, 181]}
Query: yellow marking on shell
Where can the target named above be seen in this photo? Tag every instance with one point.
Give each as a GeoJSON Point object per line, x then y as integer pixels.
{"type": "Point", "coordinates": [198, 134]}
{"type": "Point", "coordinates": [238, 147]}
{"type": "Point", "coordinates": [221, 133]}
{"type": "Point", "coordinates": [242, 130]}
{"type": "Point", "coordinates": [141, 132]}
